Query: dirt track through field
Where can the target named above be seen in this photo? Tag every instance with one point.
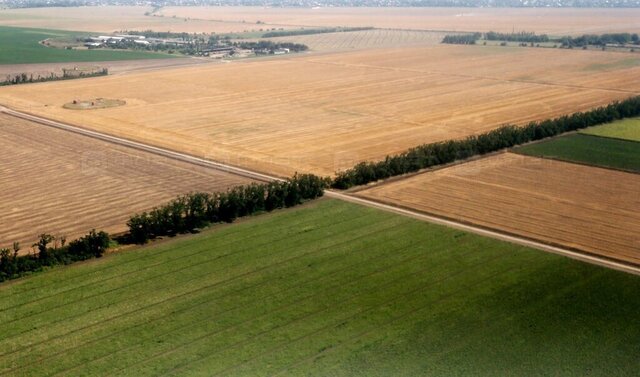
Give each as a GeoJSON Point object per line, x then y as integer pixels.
{"type": "Point", "coordinates": [575, 206]}
{"type": "Point", "coordinates": [66, 184]}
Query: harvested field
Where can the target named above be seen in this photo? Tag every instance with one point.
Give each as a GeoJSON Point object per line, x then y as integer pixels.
{"type": "Point", "coordinates": [553, 21]}
{"type": "Point", "coordinates": [65, 184]}
{"type": "Point", "coordinates": [326, 112]}
{"type": "Point", "coordinates": [590, 209]}
{"type": "Point", "coordinates": [364, 39]}
{"type": "Point", "coordinates": [117, 18]}
{"type": "Point", "coordinates": [329, 288]}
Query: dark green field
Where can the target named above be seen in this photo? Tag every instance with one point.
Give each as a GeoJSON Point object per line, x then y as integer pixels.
{"type": "Point", "coordinates": [326, 289]}
{"type": "Point", "coordinates": [20, 45]}
{"type": "Point", "coordinates": [587, 149]}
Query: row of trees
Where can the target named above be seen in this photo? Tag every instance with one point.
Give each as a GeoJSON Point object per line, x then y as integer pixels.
{"type": "Point", "coordinates": [268, 47]}
{"type": "Point", "coordinates": [462, 39]}
{"type": "Point", "coordinates": [523, 36]}
{"type": "Point", "coordinates": [289, 33]}
{"type": "Point", "coordinates": [429, 155]}
{"type": "Point", "coordinates": [50, 251]}
{"type": "Point", "coordinates": [530, 37]}
{"type": "Point", "coordinates": [600, 40]}
{"type": "Point", "coordinates": [27, 78]}
{"type": "Point", "coordinates": [192, 211]}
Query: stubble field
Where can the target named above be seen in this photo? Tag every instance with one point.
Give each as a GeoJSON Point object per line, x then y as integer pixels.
{"type": "Point", "coordinates": [326, 112]}
{"type": "Point", "coordinates": [364, 39]}
{"type": "Point", "coordinates": [65, 184]}
{"type": "Point", "coordinates": [553, 21]}
{"type": "Point", "coordinates": [591, 209]}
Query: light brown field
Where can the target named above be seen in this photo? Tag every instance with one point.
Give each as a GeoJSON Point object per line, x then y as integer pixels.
{"type": "Point", "coordinates": [555, 21]}
{"type": "Point", "coordinates": [364, 39]}
{"type": "Point", "coordinates": [117, 18]}
{"type": "Point", "coordinates": [590, 209]}
{"type": "Point", "coordinates": [238, 19]}
{"type": "Point", "coordinates": [320, 113]}
{"type": "Point", "coordinates": [66, 184]}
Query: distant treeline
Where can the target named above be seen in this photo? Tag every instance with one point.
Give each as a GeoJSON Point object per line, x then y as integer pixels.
{"type": "Point", "coordinates": [160, 34]}
{"type": "Point", "coordinates": [12, 265]}
{"type": "Point", "coordinates": [433, 154]}
{"type": "Point", "coordinates": [189, 212]}
{"type": "Point", "coordinates": [27, 78]}
{"type": "Point", "coordinates": [462, 39]}
{"type": "Point", "coordinates": [522, 36]}
{"type": "Point", "coordinates": [270, 47]}
{"type": "Point", "coordinates": [600, 40]}
{"type": "Point", "coordinates": [289, 33]}
{"type": "Point", "coordinates": [529, 37]}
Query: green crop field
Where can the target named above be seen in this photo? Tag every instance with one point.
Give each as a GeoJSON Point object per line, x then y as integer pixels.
{"type": "Point", "coordinates": [329, 288]}
{"type": "Point", "coordinates": [627, 129]}
{"type": "Point", "coordinates": [20, 45]}
{"type": "Point", "coordinates": [587, 149]}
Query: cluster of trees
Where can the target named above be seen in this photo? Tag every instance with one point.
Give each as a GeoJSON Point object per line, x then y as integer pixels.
{"type": "Point", "coordinates": [192, 211]}
{"type": "Point", "coordinates": [269, 47]}
{"type": "Point", "coordinates": [289, 33]}
{"type": "Point", "coordinates": [27, 78]}
{"type": "Point", "coordinates": [433, 154]}
{"type": "Point", "coordinates": [600, 40]}
{"type": "Point", "coordinates": [531, 38]}
{"type": "Point", "coordinates": [462, 39]}
{"type": "Point", "coordinates": [50, 251]}
{"type": "Point", "coordinates": [523, 36]}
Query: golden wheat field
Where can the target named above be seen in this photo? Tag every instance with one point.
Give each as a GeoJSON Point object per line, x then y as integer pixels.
{"type": "Point", "coordinates": [65, 184]}
{"type": "Point", "coordinates": [556, 21]}
{"type": "Point", "coordinates": [322, 113]}
{"type": "Point", "coordinates": [591, 209]}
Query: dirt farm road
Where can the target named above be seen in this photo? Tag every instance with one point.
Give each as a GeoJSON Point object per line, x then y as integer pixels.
{"type": "Point", "coordinates": [329, 193]}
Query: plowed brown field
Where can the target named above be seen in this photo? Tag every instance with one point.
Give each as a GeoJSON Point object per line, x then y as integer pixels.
{"type": "Point", "coordinates": [65, 184]}
{"type": "Point", "coordinates": [325, 112]}
{"type": "Point", "coordinates": [590, 209]}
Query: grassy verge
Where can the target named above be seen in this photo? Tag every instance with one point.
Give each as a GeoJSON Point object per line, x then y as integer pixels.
{"type": "Point", "coordinates": [327, 288]}
{"type": "Point", "coordinates": [591, 150]}
{"type": "Point", "coordinates": [21, 46]}
{"type": "Point", "coordinates": [626, 129]}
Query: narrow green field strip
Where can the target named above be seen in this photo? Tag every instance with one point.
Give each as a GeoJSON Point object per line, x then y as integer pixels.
{"type": "Point", "coordinates": [249, 309]}
{"type": "Point", "coordinates": [626, 129]}
{"type": "Point", "coordinates": [112, 283]}
{"type": "Point", "coordinates": [445, 337]}
{"type": "Point", "coordinates": [234, 301]}
{"type": "Point", "coordinates": [587, 149]}
{"type": "Point", "coordinates": [186, 282]}
{"type": "Point", "coordinates": [21, 46]}
{"type": "Point", "coordinates": [31, 288]}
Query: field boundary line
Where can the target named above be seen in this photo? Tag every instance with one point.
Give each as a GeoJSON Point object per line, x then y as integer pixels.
{"type": "Point", "coordinates": [580, 255]}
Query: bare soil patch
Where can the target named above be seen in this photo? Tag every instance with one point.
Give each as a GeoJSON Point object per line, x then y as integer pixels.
{"type": "Point", "coordinates": [94, 104]}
